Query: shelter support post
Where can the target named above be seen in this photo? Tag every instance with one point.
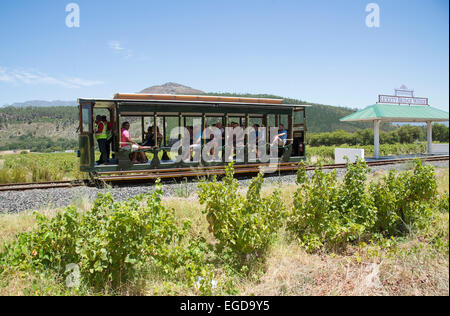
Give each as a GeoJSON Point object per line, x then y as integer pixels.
{"type": "Point", "coordinates": [430, 137]}
{"type": "Point", "coordinates": [376, 142]}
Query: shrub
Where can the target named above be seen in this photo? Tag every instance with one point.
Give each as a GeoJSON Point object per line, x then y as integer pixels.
{"type": "Point", "coordinates": [109, 243]}
{"type": "Point", "coordinates": [243, 226]}
{"type": "Point", "coordinates": [402, 199]}
{"type": "Point", "coordinates": [329, 214]}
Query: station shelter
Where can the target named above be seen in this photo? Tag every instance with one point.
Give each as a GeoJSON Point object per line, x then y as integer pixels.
{"type": "Point", "coordinates": [417, 111]}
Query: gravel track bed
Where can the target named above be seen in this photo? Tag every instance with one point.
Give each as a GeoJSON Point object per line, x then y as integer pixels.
{"type": "Point", "coordinates": [19, 201]}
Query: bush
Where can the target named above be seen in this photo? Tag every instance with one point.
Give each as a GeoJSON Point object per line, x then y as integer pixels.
{"type": "Point", "coordinates": [402, 199]}
{"type": "Point", "coordinates": [243, 226]}
{"type": "Point", "coordinates": [109, 243]}
{"type": "Point", "coordinates": [329, 214]}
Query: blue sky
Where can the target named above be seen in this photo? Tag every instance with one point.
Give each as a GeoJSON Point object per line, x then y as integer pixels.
{"type": "Point", "coordinates": [319, 51]}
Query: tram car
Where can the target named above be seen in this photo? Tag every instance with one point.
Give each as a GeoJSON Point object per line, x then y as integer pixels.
{"type": "Point", "coordinates": [153, 117]}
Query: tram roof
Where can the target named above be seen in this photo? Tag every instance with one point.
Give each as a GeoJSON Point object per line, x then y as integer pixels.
{"type": "Point", "coordinates": [107, 103]}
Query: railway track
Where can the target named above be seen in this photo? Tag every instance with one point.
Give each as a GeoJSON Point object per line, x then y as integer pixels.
{"type": "Point", "coordinates": [197, 172]}
{"type": "Point", "coordinates": [40, 185]}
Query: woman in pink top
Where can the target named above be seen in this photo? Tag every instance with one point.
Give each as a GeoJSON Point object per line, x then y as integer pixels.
{"type": "Point", "coordinates": [127, 143]}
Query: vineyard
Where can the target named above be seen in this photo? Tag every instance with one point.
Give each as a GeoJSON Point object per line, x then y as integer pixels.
{"type": "Point", "coordinates": [26, 168]}
{"type": "Point", "coordinates": [321, 235]}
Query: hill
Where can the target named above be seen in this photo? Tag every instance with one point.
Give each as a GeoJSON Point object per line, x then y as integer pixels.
{"type": "Point", "coordinates": [172, 88]}
{"type": "Point", "coordinates": [43, 129]}
{"type": "Point", "coordinates": [41, 103]}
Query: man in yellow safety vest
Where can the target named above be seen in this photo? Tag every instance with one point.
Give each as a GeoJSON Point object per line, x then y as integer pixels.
{"type": "Point", "coordinates": [109, 136]}
{"type": "Point", "coordinates": [101, 137]}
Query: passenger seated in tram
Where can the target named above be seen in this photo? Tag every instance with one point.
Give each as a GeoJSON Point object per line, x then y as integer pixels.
{"type": "Point", "coordinates": [150, 137]}
{"type": "Point", "coordinates": [235, 125]}
{"type": "Point", "coordinates": [218, 137]}
{"type": "Point", "coordinates": [220, 126]}
{"type": "Point", "coordinates": [191, 134]}
{"type": "Point", "coordinates": [281, 138]}
{"type": "Point", "coordinates": [253, 139]}
{"type": "Point", "coordinates": [130, 145]}
{"type": "Point", "coordinates": [196, 140]}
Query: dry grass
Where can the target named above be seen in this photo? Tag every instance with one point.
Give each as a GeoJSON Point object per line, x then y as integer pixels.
{"type": "Point", "coordinates": [13, 224]}
{"type": "Point", "coordinates": [290, 271]}
{"type": "Point", "coordinates": [442, 175]}
{"type": "Point", "coordinates": [16, 284]}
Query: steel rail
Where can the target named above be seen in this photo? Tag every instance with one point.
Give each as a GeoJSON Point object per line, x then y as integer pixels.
{"type": "Point", "coordinates": [40, 185]}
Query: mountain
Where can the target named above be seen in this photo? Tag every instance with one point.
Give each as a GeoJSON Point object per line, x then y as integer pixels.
{"type": "Point", "coordinates": [172, 88]}
{"type": "Point", "coordinates": [41, 103]}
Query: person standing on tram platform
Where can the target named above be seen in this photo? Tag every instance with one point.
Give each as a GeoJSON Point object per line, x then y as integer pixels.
{"type": "Point", "coordinates": [101, 137]}
{"type": "Point", "coordinates": [109, 137]}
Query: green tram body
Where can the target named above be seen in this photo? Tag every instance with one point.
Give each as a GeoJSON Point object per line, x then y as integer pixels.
{"type": "Point", "coordinates": [270, 115]}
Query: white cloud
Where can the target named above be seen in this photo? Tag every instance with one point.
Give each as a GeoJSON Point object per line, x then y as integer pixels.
{"type": "Point", "coordinates": [84, 83]}
{"type": "Point", "coordinates": [115, 45]}
{"type": "Point", "coordinates": [29, 77]}
{"type": "Point", "coordinates": [4, 76]}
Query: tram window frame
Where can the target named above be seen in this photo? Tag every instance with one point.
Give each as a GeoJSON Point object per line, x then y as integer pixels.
{"type": "Point", "coordinates": [161, 125]}
{"type": "Point", "coordinates": [256, 120]}
{"type": "Point", "coordinates": [168, 128]}
{"type": "Point", "coordinates": [283, 119]}
{"type": "Point", "coordinates": [86, 122]}
{"type": "Point", "coordinates": [133, 119]}
{"type": "Point", "coordinates": [149, 121]}
{"type": "Point", "coordinates": [299, 117]}
{"type": "Point", "coordinates": [236, 118]}
{"type": "Point", "coordinates": [271, 120]}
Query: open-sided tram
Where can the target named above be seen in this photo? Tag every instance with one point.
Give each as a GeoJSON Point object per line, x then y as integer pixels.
{"type": "Point", "coordinates": [164, 113]}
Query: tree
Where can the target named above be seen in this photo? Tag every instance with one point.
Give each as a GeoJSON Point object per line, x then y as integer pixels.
{"type": "Point", "coordinates": [440, 133]}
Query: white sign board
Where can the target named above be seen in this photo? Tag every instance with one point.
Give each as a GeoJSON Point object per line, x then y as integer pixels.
{"type": "Point", "coordinates": [440, 149]}
{"type": "Point", "coordinates": [402, 100]}
{"type": "Point", "coordinates": [351, 154]}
